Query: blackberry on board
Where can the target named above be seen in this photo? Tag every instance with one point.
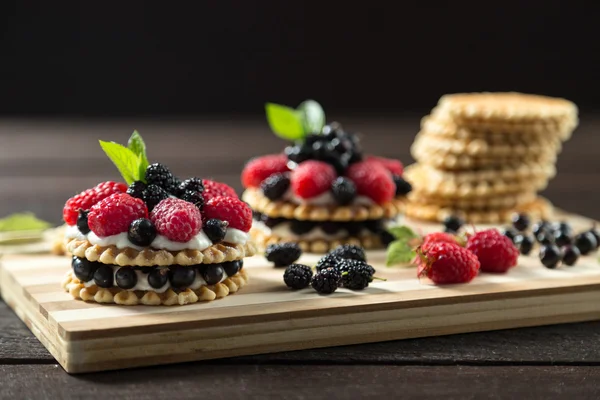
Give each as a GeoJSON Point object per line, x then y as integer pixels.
{"type": "Point", "coordinates": [275, 186]}
{"type": "Point", "coordinates": [350, 251]}
{"type": "Point", "coordinates": [283, 254]}
{"type": "Point", "coordinates": [297, 276]}
{"type": "Point", "coordinates": [159, 175]}
{"type": "Point", "coordinates": [348, 264]}
{"type": "Point", "coordinates": [328, 261]}
{"type": "Point", "coordinates": [136, 189]}
{"type": "Point", "coordinates": [153, 195]}
{"type": "Point", "coordinates": [326, 281]}
{"type": "Point", "coordinates": [357, 276]}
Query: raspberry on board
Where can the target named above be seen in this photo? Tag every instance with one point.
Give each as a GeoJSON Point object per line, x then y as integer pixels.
{"type": "Point", "coordinates": [176, 219]}
{"type": "Point", "coordinates": [438, 237]}
{"type": "Point", "coordinates": [446, 263]}
{"type": "Point", "coordinates": [86, 199]}
{"type": "Point", "coordinates": [113, 214]}
{"type": "Point", "coordinates": [230, 209]}
{"type": "Point", "coordinates": [495, 251]}
{"type": "Point", "coordinates": [312, 178]}
{"type": "Point", "coordinates": [372, 180]}
{"type": "Point", "coordinates": [259, 169]}
{"type": "Point", "coordinates": [394, 166]}
{"type": "Point", "coordinates": [214, 189]}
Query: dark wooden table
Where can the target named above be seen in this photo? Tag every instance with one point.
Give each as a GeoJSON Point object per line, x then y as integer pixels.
{"type": "Point", "coordinates": [44, 162]}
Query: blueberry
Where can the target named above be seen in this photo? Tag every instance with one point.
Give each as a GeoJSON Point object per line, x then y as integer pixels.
{"type": "Point", "coordinates": [275, 186]}
{"type": "Point", "coordinates": [524, 243]}
{"type": "Point", "coordinates": [562, 227]}
{"type": "Point", "coordinates": [103, 277]}
{"type": "Point", "coordinates": [301, 227]}
{"type": "Point", "coordinates": [126, 278]}
{"type": "Point", "coordinates": [82, 222]}
{"type": "Point", "coordinates": [453, 223]}
{"type": "Point", "coordinates": [232, 267]}
{"type": "Point", "coordinates": [596, 234]}
{"type": "Point", "coordinates": [141, 232]}
{"type": "Point", "coordinates": [540, 227]}
{"type": "Point", "coordinates": [570, 255]}
{"type": "Point", "coordinates": [545, 237]}
{"type": "Point", "coordinates": [562, 239]}
{"type": "Point", "coordinates": [521, 222]}
{"type": "Point", "coordinates": [343, 190]}
{"type": "Point", "coordinates": [510, 233]}
{"type": "Point", "coordinates": [182, 277]}
{"type": "Point", "coordinates": [158, 277]}
{"type": "Point", "coordinates": [215, 229]}
{"type": "Point", "coordinates": [84, 269]}
{"type": "Point", "coordinates": [586, 243]}
{"type": "Point", "coordinates": [402, 187]}
{"type": "Point", "coordinates": [550, 256]}
{"type": "Point", "coordinates": [213, 274]}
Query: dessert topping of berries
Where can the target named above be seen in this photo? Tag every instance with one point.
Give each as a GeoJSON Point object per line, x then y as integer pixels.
{"type": "Point", "coordinates": [283, 254]}
{"type": "Point", "coordinates": [193, 197]}
{"type": "Point", "coordinates": [159, 175]}
{"type": "Point", "coordinates": [214, 189]}
{"type": "Point", "coordinates": [275, 186]}
{"type": "Point", "coordinates": [259, 169]}
{"type": "Point", "coordinates": [215, 229]}
{"type": "Point", "coordinates": [193, 184]}
{"type": "Point", "coordinates": [113, 214]}
{"type": "Point", "coordinates": [349, 251]}
{"type": "Point", "coordinates": [82, 222]}
{"type": "Point", "coordinates": [394, 166]}
{"type": "Point", "coordinates": [495, 252]}
{"type": "Point", "coordinates": [403, 187]}
{"type": "Point", "coordinates": [141, 232]}
{"type": "Point", "coordinates": [176, 219]}
{"type": "Point", "coordinates": [312, 178]}
{"type": "Point", "coordinates": [297, 276]}
{"type": "Point", "coordinates": [372, 180]}
{"type": "Point", "coordinates": [343, 190]}
{"type": "Point", "coordinates": [231, 209]}
{"type": "Point", "coordinates": [326, 281]}
{"type": "Point", "coordinates": [136, 189]}
{"type": "Point", "coordinates": [153, 195]}
{"type": "Point", "coordinates": [446, 263]}
{"type": "Point", "coordinates": [439, 237]}
{"type": "Point", "coordinates": [86, 199]}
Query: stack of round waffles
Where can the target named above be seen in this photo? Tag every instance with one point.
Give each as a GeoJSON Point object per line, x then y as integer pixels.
{"type": "Point", "coordinates": [484, 156]}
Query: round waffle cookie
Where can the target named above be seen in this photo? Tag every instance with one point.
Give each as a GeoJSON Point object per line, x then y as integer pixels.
{"type": "Point", "coordinates": [307, 212]}
{"type": "Point", "coordinates": [539, 208]}
{"type": "Point", "coordinates": [93, 293]}
{"type": "Point", "coordinates": [485, 203]}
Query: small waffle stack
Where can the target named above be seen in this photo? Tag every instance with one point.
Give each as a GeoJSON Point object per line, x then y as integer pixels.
{"type": "Point", "coordinates": [484, 156]}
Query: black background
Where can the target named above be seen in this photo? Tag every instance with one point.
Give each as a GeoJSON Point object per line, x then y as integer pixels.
{"type": "Point", "coordinates": [133, 58]}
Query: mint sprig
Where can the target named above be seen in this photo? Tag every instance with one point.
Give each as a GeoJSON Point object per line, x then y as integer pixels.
{"type": "Point", "coordinates": [294, 124]}
{"type": "Point", "coordinates": [131, 161]}
{"type": "Point", "coordinates": [402, 249]}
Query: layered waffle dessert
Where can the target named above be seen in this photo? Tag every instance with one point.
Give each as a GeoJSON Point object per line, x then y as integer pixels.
{"type": "Point", "coordinates": [322, 191]}
{"type": "Point", "coordinates": [484, 156]}
{"type": "Point", "coordinates": [155, 240]}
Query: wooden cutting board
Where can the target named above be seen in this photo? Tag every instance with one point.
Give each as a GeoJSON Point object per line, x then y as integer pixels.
{"type": "Point", "coordinates": [267, 317]}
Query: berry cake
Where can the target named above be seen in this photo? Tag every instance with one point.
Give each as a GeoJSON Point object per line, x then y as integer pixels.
{"type": "Point", "coordinates": [155, 240]}
{"type": "Point", "coordinates": [322, 191]}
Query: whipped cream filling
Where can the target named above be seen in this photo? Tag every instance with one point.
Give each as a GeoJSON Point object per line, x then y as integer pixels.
{"type": "Point", "coordinates": [284, 230]}
{"type": "Point", "coordinates": [199, 242]}
{"type": "Point", "coordinates": [324, 199]}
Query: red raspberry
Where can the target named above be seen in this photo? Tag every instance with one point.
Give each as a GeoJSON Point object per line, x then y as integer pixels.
{"type": "Point", "coordinates": [438, 237]}
{"type": "Point", "coordinates": [312, 178]}
{"type": "Point", "coordinates": [214, 189]}
{"type": "Point", "coordinates": [495, 252]}
{"type": "Point", "coordinates": [230, 209]}
{"type": "Point", "coordinates": [445, 263]}
{"type": "Point", "coordinates": [394, 166]}
{"type": "Point", "coordinates": [176, 219]}
{"type": "Point", "coordinates": [113, 214]}
{"type": "Point", "coordinates": [86, 199]}
{"type": "Point", "coordinates": [372, 180]}
{"type": "Point", "coordinates": [259, 169]}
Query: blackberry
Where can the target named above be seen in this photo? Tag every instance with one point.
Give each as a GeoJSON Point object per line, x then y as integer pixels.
{"type": "Point", "coordinates": [159, 175]}
{"type": "Point", "coordinates": [82, 222]}
{"type": "Point", "coordinates": [141, 232]}
{"type": "Point", "coordinates": [158, 277]}
{"type": "Point", "coordinates": [453, 223]}
{"type": "Point", "coordinates": [326, 281]}
{"type": "Point", "coordinates": [283, 254]}
{"type": "Point", "coordinates": [103, 277]}
{"type": "Point", "coordinates": [275, 186]}
{"type": "Point", "coordinates": [550, 255]}
{"type": "Point", "coordinates": [297, 154]}
{"type": "Point", "coordinates": [402, 187]}
{"type": "Point", "coordinates": [586, 243]}
{"type": "Point", "coordinates": [357, 277]}
{"type": "Point", "coordinates": [84, 269]}
{"type": "Point", "coordinates": [193, 184]}
{"type": "Point", "coordinates": [232, 267]}
{"type": "Point", "coordinates": [524, 243]}
{"type": "Point", "coordinates": [570, 255]}
{"type": "Point", "coordinates": [126, 278]}
{"type": "Point", "coordinates": [350, 251]}
{"type": "Point", "coordinates": [182, 277]}
{"type": "Point", "coordinates": [193, 197]}
{"type": "Point", "coordinates": [348, 264]}
{"type": "Point", "coordinates": [136, 189]}
{"type": "Point", "coordinates": [562, 239]}
{"type": "Point", "coordinates": [213, 274]}
{"type": "Point", "coordinates": [301, 227]}
{"type": "Point", "coordinates": [153, 195]}
{"type": "Point", "coordinates": [215, 229]}
{"type": "Point", "coordinates": [343, 190]}
{"type": "Point", "coordinates": [328, 261]}
{"type": "Point", "coordinates": [297, 276]}
{"type": "Point", "coordinates": [521, 222]}
{"type": "Point", "coordinates": [386, 238]}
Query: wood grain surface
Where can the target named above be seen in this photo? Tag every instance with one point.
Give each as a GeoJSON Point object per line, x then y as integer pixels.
{"type": "Point", "coordinates": [42, 162]}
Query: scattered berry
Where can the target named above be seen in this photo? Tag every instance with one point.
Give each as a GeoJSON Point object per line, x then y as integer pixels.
{"type": "Point", "coordinates": [83, 268]}
{"type": "Point", "coordinates": [215, 229]}
{"type": "Point", "coordinates": [82, 222]}
{"type": "Point", "coordinates": [545, 237]}
{"type": "Point", "coordinates": [345, 265]}
{"type": "Point", "coordinates": [395, 167]}
{"type": "Point", "coordinates": [495, 252]}
{"type": "Point", "coordinates": [297, 276]}
{"type": "Point", "coordinates": [446, 263]}
{"type": "Point", "coordinates": [259, 169]}
{"type": "Point", "coordinates": [231, 209]}
{"type": "Point", "coordinates": [521, 222]}
{"type": "Point", "coordinates": [214, 189]}
{"type": "Point", "coordinates": [275, 186]}
{"type": "Point", "coordinates": [193, 197]}
{"type": "Point", "coordinates": [104, 276]}
{"type": "Point", "coordinates": [141, 232]}
{"type": "Point", "coordinates": [153, 195]}
{"type": "Point", "coordinates": [159, 175]}
{"type": "Point", "coordinates": [453, 223]}
{"type": "Point", "coordinates": [570, 255]}
{"type": "Point", "coordinates": [343, 190]}
{"type": "Point", "coordinates": [193, 184]}
{"type": "Point", "coordinates": [562, 239]}
{"type": "Point", "coordinates": [373, 181]}
{"type": "Point", "coordinates": [328, 261]}
{"type": "Point", "coordinates": [136, 189]}
{"type": "Point", "coordinates": [213, 274]}
{"type": "Point", "coordinates": [232, 267]}
{"type": "Point", "coordinates": [357, 276]}
{"type": "Point", "coordinates": [510, 233]}
{"type": "Point", "coordinates": [113, 215]}
{"type": "Point", "coordinates": [283, 254]}
{"type": "Point", "coordinates": [562, 227]}
{"type": "Point", "coordinates": [176, 219]}
{"type": "Point", "coordinates": [402, 187]}
{"type": "Point", "coordinates": [326, 281]}
{"type": "Point", "coordinates": [158, 277]}
{"type": "Point", "coordinates": [126, 278]}
{"type": "Point", "coordinates": [312, 178]}
{"type": "Point", "coordinates": [596, 234]}
{"type": "Point", "coordinates": [524, 243]}
{"type": "Point", "coordinates": [86, 199]}
{"type": "Point", "coordinates": [539, 227]}
{"type": "Point", "coordinates": [349, 251]}
{"type": "Point", "coordinates": [181, 277]}
{"type": "Point", "coordinates": [550, 255]}
{"type": "Point", "coordinates": [586, 243]}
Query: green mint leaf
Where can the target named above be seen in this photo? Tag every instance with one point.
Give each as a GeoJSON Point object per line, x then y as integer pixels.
{"type": "Point", "coordinates": [24, 221]}
{"type": "Point", "coordinates": [313, 116]}
{"type": "Point", "coordinates": [285, 122]}
{"type": "Point", "coordinates": [137, 145]}
{"type": "Point", "coordinates": [126, 161]}
{"type": "Point", "coordinates": [403, 233]}
{"type": "Point", "coordinates": [399, 252]}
